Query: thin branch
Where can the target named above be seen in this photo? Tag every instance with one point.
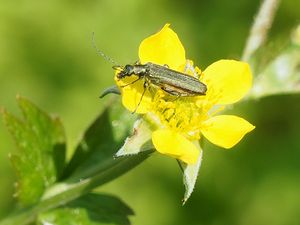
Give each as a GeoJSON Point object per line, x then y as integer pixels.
{"type": "Point", "coordinates": [259, 30]}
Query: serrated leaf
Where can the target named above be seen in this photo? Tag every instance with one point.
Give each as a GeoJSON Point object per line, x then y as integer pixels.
{"type": "Point", "coordinates": [91, 209]}
{"type": "Point", "coordinates": [139, 141]}
{"type": "Point", "coordinates": [190, 174]}
{"type": "Point", "coordinates": [100, 142]}
{"type": "Point", "coordinates": [41, 150]}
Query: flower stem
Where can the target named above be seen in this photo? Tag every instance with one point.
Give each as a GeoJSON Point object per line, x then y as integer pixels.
{"type": "Point", "coordinates": [259, 30]}
{"type": "Point", "coordinates": [70, 189]}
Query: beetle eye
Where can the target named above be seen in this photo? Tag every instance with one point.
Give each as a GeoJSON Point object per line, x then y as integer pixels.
{"type": "Point", "coordinates": [120, 75]}
{"type": "Point", "coordinates": [128, 68]}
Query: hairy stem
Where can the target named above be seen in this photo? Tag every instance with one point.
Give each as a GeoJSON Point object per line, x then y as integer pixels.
{"type": "Point", "coordinates": [259, 30]}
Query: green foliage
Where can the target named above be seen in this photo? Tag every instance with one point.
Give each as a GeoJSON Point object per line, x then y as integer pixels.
{"type": "Point", "coordinates": [90, 209]}
{"type": "Point", "coordinates": [278, 75]}
{"type": "Point", "coordinates": [41, 143]}
{"type": "Point", "coordinates": [45, 183]}
{"type": "Point", "coordinates": [99, 142]}
{"type": "Point", "coordinates": [255, 184]}
{"type": "Point", "coordinates": [190, 174]}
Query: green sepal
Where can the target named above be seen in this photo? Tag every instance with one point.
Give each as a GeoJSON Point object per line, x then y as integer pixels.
{"type": "Point", "coordinates": [190, 174]}
{"type": "Point", "coordinates": [110, 90]}
{"type": "Point", "coordinates": [139, 141]}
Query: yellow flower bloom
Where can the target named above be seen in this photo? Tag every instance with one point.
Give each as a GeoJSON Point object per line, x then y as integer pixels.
{"type": "Point", "coordinates": [179, 122]}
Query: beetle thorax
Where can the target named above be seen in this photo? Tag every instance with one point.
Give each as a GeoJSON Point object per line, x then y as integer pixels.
{"type": "Point", "coordinates": [129, 70]}
{"type": "Point", "coordinates": [139, 70]}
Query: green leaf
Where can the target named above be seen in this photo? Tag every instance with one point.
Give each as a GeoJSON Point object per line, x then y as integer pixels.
{"type": "Point", "coordinates": [100, 142]}
{"type": "Point", "coordinates": [91, 209]}
{"type": "Point", "coordinates": [68, 191]}
{"type": "Point", "coordinates": [139, 141]}
{"type": "Point", "coordinates": [85, 175]}
{"type": "Point", "coordinates": [267, 53]}
{"type": "Point", "coordinates": [40, 140]}
{"type": "Point", "coordinates": [93, 141]}
{"type": "Point", "coordinates": [190, 174]}
{"type": "Point", "coordinates": [276, 67]}
{"type": "Point", "coordinates": [281, 76]}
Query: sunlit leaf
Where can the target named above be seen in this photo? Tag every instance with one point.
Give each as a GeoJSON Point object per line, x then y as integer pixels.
{"type": "Point", "coordinates": [91, 209]}
{"type": "Point", "coordinates": [40, 159]}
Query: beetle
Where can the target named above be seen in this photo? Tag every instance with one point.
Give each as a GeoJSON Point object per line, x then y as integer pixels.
{"type": "Point", "coordinates": [173, 82]}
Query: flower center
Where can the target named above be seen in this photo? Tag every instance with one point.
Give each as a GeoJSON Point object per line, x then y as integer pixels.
{"type": "Point", "coordinates": [181, 114]}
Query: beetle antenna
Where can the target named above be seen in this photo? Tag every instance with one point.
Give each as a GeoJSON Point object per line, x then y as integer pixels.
{"type": "Point", "coordinates": [100, 53]}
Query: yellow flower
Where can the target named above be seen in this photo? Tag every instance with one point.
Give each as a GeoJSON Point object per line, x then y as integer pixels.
{"type": "Point", "coordinates": [177, 123]}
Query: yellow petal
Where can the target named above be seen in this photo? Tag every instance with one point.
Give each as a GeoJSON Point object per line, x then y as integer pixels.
{"type": "Point", "coordinates": [229, 80]}
{"type": "Point", "coordinates": [170, 143]}
{"type": "Point", "coordinates": [225, 130]}
{"type": "Point", "coordinates": [132, 95]}
{"type": "Point", "coordinates": [163, 48]}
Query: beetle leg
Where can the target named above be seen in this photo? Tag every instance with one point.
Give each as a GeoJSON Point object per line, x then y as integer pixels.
{"type": "Point", "coordinates": [146, 84]}
{"type": "Point", "coordinates": [130, 83]}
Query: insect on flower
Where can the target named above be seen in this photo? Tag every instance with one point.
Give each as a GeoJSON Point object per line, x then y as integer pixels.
{"type": "Point", "coordinates": [171, 81]}
{"type": "Point", "coordinates": [173, 127]}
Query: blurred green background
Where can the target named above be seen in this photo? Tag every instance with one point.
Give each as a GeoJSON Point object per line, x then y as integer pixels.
{"type": "Point", "coordinates": [46, 56]}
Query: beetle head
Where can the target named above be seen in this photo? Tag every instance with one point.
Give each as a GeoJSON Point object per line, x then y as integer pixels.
{"type": "Point", "coordinates": [128, 70]}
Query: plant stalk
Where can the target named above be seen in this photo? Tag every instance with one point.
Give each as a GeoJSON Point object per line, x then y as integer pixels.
{"type": "Point", "coordinates": [70, 189]}
{"type": "Point", "coordinates": [259, 30]}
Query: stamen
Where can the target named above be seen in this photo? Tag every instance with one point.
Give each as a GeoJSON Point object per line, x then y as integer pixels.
{"type": "Point", "coordinates": [185, 115]}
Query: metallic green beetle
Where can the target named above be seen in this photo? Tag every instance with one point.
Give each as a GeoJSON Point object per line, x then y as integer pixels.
{"type": "Point", "coordinates": [171, 81]}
